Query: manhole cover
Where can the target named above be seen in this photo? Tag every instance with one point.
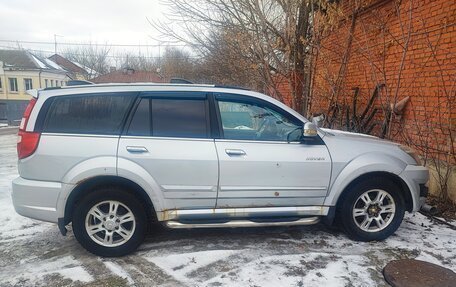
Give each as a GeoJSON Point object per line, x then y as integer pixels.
{"type": "Point", "coordinates": [416, 273]}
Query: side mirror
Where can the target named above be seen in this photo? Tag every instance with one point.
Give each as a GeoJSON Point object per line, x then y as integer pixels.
{"type": "Point", "coordinates": [310, 130]}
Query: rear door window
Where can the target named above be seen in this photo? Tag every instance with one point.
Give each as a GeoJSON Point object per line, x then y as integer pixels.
{"type": "Point", "coordinates": [186, 118]}
{"type": "Point", "coordinates": [140, 124]}
{"type": "Point", "coordinates": [88, 113]}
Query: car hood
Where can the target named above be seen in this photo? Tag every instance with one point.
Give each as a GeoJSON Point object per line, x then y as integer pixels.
{"type": "Point", "coordinates": [344, 135]}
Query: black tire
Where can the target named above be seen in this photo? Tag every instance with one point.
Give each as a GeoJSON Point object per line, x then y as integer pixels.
{"type": "Point", "coordinates": [345, 209]}
{"type": "Point", "coordinates": [114, 194]}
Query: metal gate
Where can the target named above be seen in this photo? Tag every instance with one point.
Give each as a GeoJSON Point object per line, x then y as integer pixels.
{"type": "Point", "coordinates": [3, 112]}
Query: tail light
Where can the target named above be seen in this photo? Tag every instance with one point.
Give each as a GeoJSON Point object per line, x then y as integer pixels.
{"type": "Point", "coordinates": [27, 141]}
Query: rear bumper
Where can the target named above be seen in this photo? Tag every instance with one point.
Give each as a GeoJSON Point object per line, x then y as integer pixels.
{"type": "Point", "coordinates": [416, 178]}
{"type": "Point", "coordinates": [36, 199]}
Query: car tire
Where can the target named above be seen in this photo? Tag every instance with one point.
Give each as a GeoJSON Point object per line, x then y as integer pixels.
{"type": "Point", "coordinates": [375, 216]}
{"type": "Point", "coordinates": [110, 222]}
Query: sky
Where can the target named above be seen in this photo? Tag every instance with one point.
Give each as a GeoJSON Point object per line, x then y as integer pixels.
{"type": "Point", "coordinates": [81, 21]}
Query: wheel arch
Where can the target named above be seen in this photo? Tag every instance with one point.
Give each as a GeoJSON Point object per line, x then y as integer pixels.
{"type": "Point", "coordinates": [408, 198]}
{"type": "Point", "coordinates": [84, 187]}
{"type": "Point", "coordinates": [382, 174]}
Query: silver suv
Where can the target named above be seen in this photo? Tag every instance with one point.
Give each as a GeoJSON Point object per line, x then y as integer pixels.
{"type": "Point", "coordinates": [112, 158]}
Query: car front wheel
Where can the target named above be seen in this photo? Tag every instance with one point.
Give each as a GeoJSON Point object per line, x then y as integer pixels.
{"type": "Point", "coordinates": [372, 210]}
{"type": "Point", "coordinates": [109, 222]}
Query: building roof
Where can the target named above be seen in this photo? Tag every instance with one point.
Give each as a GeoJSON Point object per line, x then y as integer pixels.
{"type": "Point", "coordinates": [68, 65]}
{"type": "Point", "coordinates": [128, 76]}
{"type": "Point", "coordinates": [24, 60]}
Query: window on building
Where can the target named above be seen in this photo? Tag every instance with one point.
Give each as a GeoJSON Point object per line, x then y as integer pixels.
{"type": "Point", "coordinates": [1, 84]}
{"type": "Point", "coordinates": [28, 84]}
{"type": "Point", "coordinates": [61, 83]}
{"type": "Point", "coordinates": [13, 85]}
{"type": "Point", "coordinates": [88, 114]}
{"type": "Point", "coordinates": [52, 83]}
{"type": "Point", "coordinates": [46, 83]}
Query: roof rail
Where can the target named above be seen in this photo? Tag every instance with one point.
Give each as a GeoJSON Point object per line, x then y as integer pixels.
{"type": "Point", "coordinates": [51, 88]}
{"type": "Point", "coordinates": [180, 81]}
{"type": "Point", "coordinates": [78, 83]}
{"type": "Point", "coordinates": [231, 87]}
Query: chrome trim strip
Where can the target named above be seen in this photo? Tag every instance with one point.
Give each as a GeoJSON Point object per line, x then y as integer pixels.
{"type": "Point", "coordinates": [273, 188]}
{"type": "Point", "coordinates": [257, 141]}
{"type": "Point", "coordinates": [242, 223]}
{"type": "Point", "coordinates": [79, 135]}
{"type": "Point", "coordinates": [199, 188]}
{"type": "Point", "coordinates": [171, 214]}
{"type": "Point", "coordinates": [167, 138]}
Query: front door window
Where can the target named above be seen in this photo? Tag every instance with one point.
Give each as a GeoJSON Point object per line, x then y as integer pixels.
{"type": "Point", "coordinates": [250, 121]}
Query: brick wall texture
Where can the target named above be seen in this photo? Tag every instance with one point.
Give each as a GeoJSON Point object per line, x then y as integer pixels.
{"type": "Point", "coordinates": [409, 46]}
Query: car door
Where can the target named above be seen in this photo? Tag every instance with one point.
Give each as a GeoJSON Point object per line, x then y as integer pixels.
{"type": "Point", "coordinates": [168, 135]}
{"type": "Point", "coordinates": [263, 161]}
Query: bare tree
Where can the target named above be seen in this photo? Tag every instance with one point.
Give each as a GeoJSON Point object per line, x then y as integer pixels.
{"type": "Point", "coordinates": [137, 62]}
{"type": "Point", "coordinates": [94, 58]}
{"type": "Point", "coordinates": [270, 37]}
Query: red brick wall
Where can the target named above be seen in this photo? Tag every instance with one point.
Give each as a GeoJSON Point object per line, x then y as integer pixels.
{"type": "Point", "coordinates": [427, 76]}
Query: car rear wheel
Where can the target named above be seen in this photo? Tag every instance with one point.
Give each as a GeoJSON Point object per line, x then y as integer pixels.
{"type": "Point", "coordinates": [109, 222]}
{"type": "Point", "coordinates": [372, 210]}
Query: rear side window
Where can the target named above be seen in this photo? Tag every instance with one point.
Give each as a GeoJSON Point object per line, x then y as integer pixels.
{"type": "Point", "coordinates": [140, 123]}
{"type": "Point", "coordinates": [179, 118]}
{"type": "Point", "coordinates": [88, 113]}
{"type": "Point", "coordinates": [164, 117]}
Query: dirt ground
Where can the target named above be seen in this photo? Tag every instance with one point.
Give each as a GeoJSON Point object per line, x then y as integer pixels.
{"type": "Point", "coordinates": [33, 253]}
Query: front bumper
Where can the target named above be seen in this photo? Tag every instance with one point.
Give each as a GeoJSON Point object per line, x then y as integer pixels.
{"type": "Point", "coordinates": [36, 199]}
{"type": "Point", "coordinates": [416, 178]}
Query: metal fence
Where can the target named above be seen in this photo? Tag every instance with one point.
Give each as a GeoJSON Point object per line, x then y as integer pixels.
{"type": "Point", "coordinates": [11, 111]}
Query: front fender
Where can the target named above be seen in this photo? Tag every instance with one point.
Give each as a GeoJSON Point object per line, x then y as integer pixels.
{"type": "Point", "coordinates": [363, 164]}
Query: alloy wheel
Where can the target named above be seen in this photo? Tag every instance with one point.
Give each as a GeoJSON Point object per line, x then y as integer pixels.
{"type": "Point", "coordinates": [110, 223]}
{"type": "Point", "coordinates": [374, 210]}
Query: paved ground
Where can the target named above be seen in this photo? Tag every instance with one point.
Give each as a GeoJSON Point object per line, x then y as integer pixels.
{"type": "Point", "coordinates": [33, 253]}
{"type": "Point", "coordinates": [8, 130]}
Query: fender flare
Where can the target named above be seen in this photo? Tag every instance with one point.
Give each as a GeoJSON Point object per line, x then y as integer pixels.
{"type": "Point", "coordinates": [132, 171]}
{"type": "Point", "coordinates": [359, 166]}
{"type": "Point", "coordinates": [107, 167]}
{"type": "Point", "coordinates": [93, 167]}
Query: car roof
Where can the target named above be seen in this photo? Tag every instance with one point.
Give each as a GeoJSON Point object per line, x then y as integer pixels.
{"type": "Point", "coordinates": [140, 87]}
{"type": "Point", "coordinates": [43, 94]}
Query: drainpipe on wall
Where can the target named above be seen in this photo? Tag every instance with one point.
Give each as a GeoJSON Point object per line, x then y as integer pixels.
{"type": "Point", "coordinates": [3, 79]}
{"type": "Point", "coordinates": [39, 76]}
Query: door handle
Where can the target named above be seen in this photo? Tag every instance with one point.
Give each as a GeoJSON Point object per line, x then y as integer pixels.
{"type": "Point", "coordinates": [235, 152]}
{"type": "Point", "coordinates": [136, 149]}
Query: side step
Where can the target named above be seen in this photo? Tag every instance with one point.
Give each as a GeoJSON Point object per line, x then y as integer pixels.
{"type": "Point", "coordinates": [243, 223]}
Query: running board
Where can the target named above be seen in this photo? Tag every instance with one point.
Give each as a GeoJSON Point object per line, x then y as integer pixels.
{"type": "Point", "coordinates": [243, 223]}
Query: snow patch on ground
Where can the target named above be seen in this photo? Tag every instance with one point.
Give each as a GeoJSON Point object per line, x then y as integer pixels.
{"type": "Point", "coordinates": [119, 271]}
{"type": "Point", "coordinates": [67, 267]}
{"type": "Point", "coordinates": [310, 269]}
{"type": "Point", "coordinates": [180, 265]}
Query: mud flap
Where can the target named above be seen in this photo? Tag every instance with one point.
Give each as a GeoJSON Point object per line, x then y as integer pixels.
{"type": "Point", "coordinates": [61, 224]}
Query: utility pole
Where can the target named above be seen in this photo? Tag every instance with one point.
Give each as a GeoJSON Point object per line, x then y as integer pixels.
{"type": "Point", "coordinates": [55, 43]}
